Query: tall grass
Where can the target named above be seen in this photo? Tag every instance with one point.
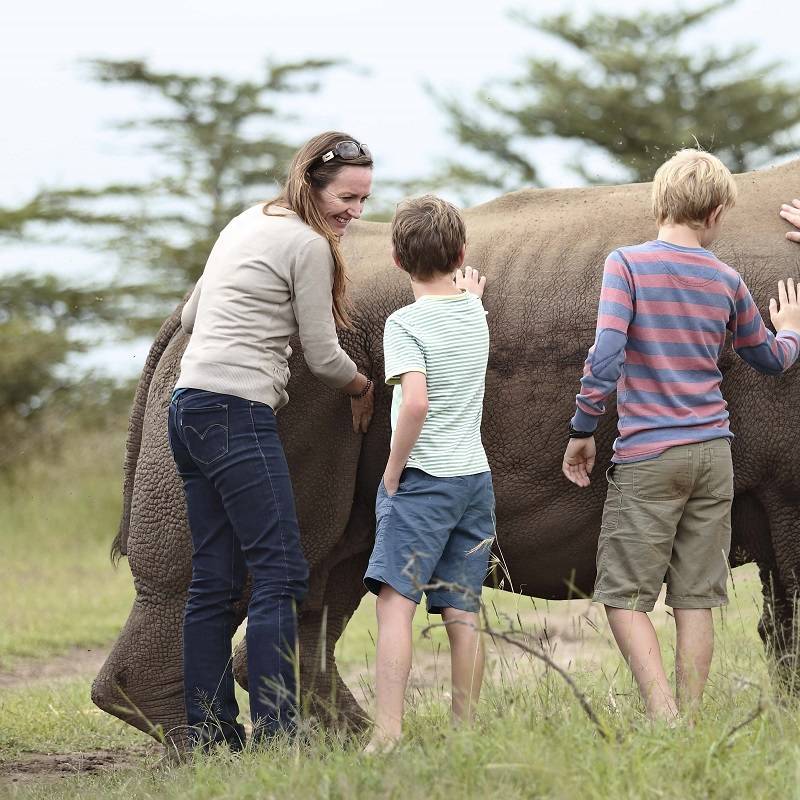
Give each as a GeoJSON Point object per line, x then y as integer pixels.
{"type": "Point", "coordinates": [531, 740]}
{"type": "Point", "coordinates": [58, 589]}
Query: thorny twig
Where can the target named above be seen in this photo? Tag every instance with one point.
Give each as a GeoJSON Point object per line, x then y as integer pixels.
{"type": "Point", "coordinates": [536, 653]}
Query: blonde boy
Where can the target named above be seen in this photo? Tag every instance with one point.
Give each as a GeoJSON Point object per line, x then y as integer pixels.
{"type": "Point", "coordinates": [665, 307]}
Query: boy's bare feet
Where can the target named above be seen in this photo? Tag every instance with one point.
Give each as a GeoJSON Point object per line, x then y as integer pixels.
{"type": "Point", "coordinates": [381, 744]}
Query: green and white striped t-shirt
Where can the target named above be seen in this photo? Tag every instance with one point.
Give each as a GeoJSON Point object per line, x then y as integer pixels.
{"type": "Point", "coordinates": [447, 339]}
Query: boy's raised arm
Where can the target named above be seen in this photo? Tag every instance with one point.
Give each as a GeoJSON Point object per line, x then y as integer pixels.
{"type": "Point", "coordinates": [754, 343]}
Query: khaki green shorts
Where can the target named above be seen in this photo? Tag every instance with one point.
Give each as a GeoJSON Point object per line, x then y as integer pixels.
{"type": "Point", "coordinates": [667, 520]}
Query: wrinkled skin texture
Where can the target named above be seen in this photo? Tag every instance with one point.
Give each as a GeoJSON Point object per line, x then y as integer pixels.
{"type": "Point", "coordinates": [543, 253]}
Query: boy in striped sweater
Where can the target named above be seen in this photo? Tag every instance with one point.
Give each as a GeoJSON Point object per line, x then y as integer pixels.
{"type": "Point", "coordinates": [665, 308]}
{"type": "Point", "coordinates": [435, 504]}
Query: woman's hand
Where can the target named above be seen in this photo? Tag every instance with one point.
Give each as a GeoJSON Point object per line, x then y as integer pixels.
{"type": "Point", "coordinates": [470, 280]}
{"type": "Point", "coordinates": [362, 408]}
{"type": "Point", "coordinates": [791, 213]}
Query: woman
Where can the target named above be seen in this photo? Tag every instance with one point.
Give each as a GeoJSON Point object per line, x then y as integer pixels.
{"type": "Point", "coordinates": [275, 270]}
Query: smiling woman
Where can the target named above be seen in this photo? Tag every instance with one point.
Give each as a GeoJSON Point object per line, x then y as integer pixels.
{"type": "Point", "coordinates": [276, 270]}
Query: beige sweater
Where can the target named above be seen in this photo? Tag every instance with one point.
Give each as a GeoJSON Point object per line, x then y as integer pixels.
{"type": "Point", "coordinates": [267, 278]}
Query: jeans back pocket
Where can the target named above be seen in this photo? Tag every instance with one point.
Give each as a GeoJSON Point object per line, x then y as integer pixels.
{"type": "Point", "coordinates": [205, 432]}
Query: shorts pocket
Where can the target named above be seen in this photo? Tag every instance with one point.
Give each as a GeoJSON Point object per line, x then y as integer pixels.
{"type": "Point", "coordinates": [205, 432]}
{"type": "Point", "coordinates": [613, 504]}
{"type": "Point", "coordinates": [663, 478]}
{"type": "Point", "coordinates": [720, 474]}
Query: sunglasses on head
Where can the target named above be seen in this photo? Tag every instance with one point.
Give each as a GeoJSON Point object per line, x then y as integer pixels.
{"type": "Point", "coordinates": [347, 151]}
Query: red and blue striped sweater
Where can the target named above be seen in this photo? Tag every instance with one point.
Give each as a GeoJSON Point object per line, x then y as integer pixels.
{"type": "Point", "coordinates": [661, 324]}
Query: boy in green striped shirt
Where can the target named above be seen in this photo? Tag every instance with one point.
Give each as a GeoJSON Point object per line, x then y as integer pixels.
{"type": "Point", "coordinates": [435, 504]}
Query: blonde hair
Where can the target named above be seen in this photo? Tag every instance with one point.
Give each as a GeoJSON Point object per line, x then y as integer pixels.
{"type": "Point", "coordinates": [688, 187]}
{"type": "Point", "coordinates": [306, 173]}
{"type": "Point", "coordinates": [427, 236]}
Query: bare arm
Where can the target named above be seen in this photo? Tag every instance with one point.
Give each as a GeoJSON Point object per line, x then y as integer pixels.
{"type": "Point", "coordinates": [413, 411]}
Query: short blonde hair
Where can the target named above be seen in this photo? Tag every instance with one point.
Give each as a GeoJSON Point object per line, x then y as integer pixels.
{"type": "Point", "coordinates": [427, 236]}
{"type": "Point", "coordinates": [688, 187]}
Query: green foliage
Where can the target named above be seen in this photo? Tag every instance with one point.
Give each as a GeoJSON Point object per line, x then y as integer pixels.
{"type": "Point", "coordinates": [40, 322]}
{"type": "Point", "coordinates": [636, 94]}
{"type": "Point", "coordinates": [219, 148]}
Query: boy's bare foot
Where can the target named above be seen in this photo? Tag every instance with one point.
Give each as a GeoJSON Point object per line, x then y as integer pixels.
{"type": "Point", "coordinates": [381, 745]}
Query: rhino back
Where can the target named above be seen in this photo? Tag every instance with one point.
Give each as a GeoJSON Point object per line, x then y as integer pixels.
{"type": "Point", "coordinates": [543, 252]}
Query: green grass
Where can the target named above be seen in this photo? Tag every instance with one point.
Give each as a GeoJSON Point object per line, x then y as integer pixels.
{"type": "Point", "coordinates": [58, 589]}
{"type": "Point", "coordinates": [58, 717]}
{"type": "Point", "coordinates": [532, 739]}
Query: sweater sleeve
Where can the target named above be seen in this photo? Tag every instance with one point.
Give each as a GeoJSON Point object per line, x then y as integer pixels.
{"type": "Point", "coordinates": [603, 365]}
{"type": "Point", "coordinates": [312, 302]}
{"type": "Point", "coordinates": [189, 312]}
{"type": "Point", "coordinates": [763, 350]}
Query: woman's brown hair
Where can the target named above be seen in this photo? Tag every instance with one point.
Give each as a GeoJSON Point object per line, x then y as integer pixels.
{"type": "Point", "coordinates": [306, 172]}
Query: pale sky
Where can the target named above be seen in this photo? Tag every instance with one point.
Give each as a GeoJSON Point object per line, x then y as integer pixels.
{"type": "Point", "coordinates": [58, 126]}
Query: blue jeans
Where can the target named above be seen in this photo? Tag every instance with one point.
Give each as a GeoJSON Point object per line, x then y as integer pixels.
{"type": "Point", "coordinates": [242, 518]}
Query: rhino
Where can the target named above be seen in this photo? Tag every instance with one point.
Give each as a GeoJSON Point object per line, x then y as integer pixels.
{"type": "Point", "coordinates": [543, 252]}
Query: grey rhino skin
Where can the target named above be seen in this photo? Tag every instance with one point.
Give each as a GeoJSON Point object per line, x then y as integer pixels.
{"type": "Point", "coordinates": [543, 253]}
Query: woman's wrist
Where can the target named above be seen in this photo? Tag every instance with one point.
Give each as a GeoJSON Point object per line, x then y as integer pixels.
{"type": "Point", "coordinates": [358, 387]}
{"type": "Point", "coordinates": [364, 392]}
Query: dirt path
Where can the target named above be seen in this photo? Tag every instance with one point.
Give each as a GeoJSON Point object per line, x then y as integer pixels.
{"type": "Point", "coordinates": [38, 768]}
{"type": "Point", "coordinates": [75, 663]}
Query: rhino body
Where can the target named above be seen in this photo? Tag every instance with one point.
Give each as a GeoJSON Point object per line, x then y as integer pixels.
{"type": "Point", "coordinates": [543, 252]}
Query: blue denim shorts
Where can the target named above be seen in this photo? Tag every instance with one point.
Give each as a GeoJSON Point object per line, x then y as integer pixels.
{"type": "Point", "coordinates": [434, 535]}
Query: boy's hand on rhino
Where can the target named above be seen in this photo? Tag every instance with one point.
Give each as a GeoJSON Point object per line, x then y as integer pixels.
{"type": "Point", "coordinates": [785, 317]}
{"type": "Point", "coordinates": [579, 460]}
{"type": "Point", "coordinates": [791, 213]}
{"type": "Point", "coordinates": [470, 280]}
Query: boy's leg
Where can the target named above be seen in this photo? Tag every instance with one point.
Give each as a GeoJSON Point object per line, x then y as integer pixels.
{"type": "Point", "coordinates": [456, 588]}
{"type": "Point", "coordinates": [693, 653]}
{"type": "Point", "coordinates": [641, 515]}
{"type": "Point", "coordinates": [467, 660]}
{"type": "Point", "coordinates": [413, 527]}
{"type": "Point", "coordinates": [698, 570]}
{"type": "Point", "coordinates": [638, 643]}
{"type": "Point", "coordinates": [392, 664]}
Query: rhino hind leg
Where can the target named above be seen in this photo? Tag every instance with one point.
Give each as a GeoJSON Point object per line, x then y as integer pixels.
{"type": "Point", "coordinates": [778, 631]}
{"type": "Point", "coordinates": [779, 569]}
{"type": "Point", "coordinates": [141, 681]}
{"type": "Point", "coordinates": [324, 694]}
{"type": "Point", "coordinates": [328, 697]}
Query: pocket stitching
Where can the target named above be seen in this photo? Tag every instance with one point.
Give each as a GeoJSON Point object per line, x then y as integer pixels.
{"type": "Point", "coordinates": [202, 436]}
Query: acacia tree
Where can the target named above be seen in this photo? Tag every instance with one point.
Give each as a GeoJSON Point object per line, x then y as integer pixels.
{"type": "Point", "coordinates": [41, 319]}
{"type": "Point", "coordinates": [220, 144]}
{"type": "Point", "coordinates": [636, 93]}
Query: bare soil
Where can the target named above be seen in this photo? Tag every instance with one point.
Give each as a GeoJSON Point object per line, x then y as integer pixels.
{"type": "Point", "coordinates": [43, 767]}
{"type": "Point", "coordinates": [77, 662]}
